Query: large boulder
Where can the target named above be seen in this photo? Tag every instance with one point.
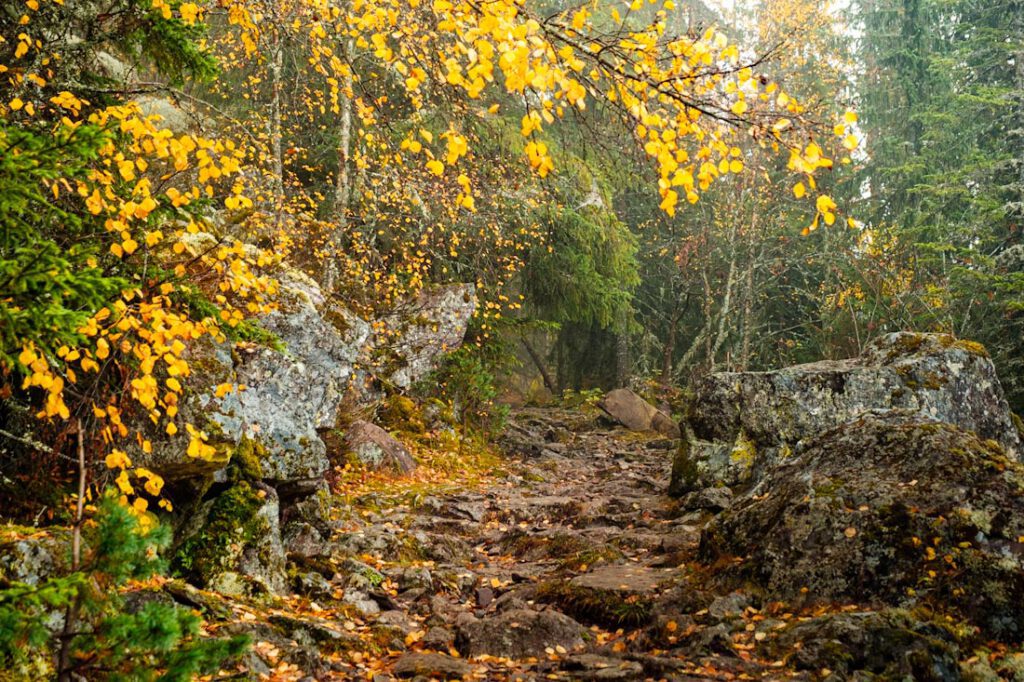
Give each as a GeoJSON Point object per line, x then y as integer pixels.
{"type": "Point", "coordinates": [887, 645]}
{"type": "Point", "coordinates": [417, 333]}
{"type": "Point", "coordinates": [636, 414]}
{"type": "Point", "coordinates": [891, 507]}
{"type": "Point", "coordinates": [743, 423]}
{"type": "Point", "coordinates": [517, 633]}
{"type": "Point", "coordinates": [293, 391]}
{"type": "Point", "coordinates": [316, 358]}
{"type": "Point", "coordinates": [291, 385]}
{"type": "Point", "coordinates": [32, 558]}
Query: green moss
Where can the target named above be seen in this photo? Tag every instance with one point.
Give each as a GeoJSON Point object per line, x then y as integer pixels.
{"type": "Point", "coordinates": [251, 331]}
{"type": "Point", "coordinates": [231, 524]}
{"type": "Point", "coordinates": [410, 550]}
{"type": "Point", "coordinates": [605, 554]}
{"type": "Point", "coordinates": [400, 412]}
{"type": "Point", "coordinates": [684, 470]}
{"type": "Point", "coordinates": [574, 551]}
{"type": "Point", "coordinates": [247, 456]}
{"type": "Point", "coordinates": [1018, 424]}
{"type": "Point", "coordinates": [606, 608]}
{"type": "Point", "coordinates": [560, 545]}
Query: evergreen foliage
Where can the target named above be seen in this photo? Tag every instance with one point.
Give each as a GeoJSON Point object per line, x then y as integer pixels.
{"type": "Point", "coordinates": [104, 639]}
{"type": "Point", "coordinates": [50, 281]}
{"type": "Point", "coordinates": [943, 110]}
{"type": "Point", "coordinates": [586, 271]}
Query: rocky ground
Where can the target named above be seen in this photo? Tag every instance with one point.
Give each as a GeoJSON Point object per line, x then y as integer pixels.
{"type": "Point", "coordinates": [569, 562]}
{"type": "Point", "coordinates": [566, 561]}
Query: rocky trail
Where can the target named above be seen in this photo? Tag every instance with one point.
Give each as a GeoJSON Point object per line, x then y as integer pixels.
{"type": "Point", "coordinates": [853, 520]}
{"type": "Point", "coordinates": [567, 562]}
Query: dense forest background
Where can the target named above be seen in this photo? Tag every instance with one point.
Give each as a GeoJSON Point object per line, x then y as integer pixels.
{"type": "Point", "coordinates": [935, 187]}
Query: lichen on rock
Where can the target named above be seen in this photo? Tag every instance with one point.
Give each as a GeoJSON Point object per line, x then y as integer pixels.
{"type": "Point", "coordinates": [889, 507]}
{"type": "Point", "coordinates": [936, 375]}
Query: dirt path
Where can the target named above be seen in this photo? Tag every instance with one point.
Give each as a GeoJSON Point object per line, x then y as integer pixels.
{"type": "Point", "coordinates": [572, 565]}
{"type": "Point", "coordinates": [565, 562]}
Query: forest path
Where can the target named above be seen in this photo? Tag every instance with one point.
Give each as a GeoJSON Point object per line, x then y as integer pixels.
{"type": "Point", "coordinates": [571, 563]}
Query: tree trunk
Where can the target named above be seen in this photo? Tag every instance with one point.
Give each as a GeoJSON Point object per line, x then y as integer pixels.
{"type": "Point", "coordinates": [343, 181]}
{"type": "Point", "coordinates": [64, 668]}
{"type": "Point", "coordinates": [748, 317]}
{"type": "Point", "coordinates": [274, 129]}
{"type": "Point", "coordinates": [539, 362]}
{"type": "Point", "coordinates": [622, 359]}
{"type": "Point", "coordinates": [723, 315]}
{"type": "Point", "coordinates": [670, 347]}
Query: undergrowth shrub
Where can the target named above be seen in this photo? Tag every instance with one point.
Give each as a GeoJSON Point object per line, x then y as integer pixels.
{"type": "Point", "coordinates": [80, 626]}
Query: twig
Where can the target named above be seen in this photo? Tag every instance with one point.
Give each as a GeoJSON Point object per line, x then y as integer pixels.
{"type": "Point", "coordinates": [24, 440]}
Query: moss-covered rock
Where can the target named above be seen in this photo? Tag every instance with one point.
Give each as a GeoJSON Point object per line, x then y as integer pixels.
{"type": "Point", "coordinates": [888, 645]}
{"type": "Point", "coordinates": [597, 606]}
{"type": "Point", "coordinates": [234, 543]}
{"type": "Point", "coordinates": [892, 508]}
{"type": "Point", "coordinates": [685, 473]}
{"type": "Point", "coordinates": [400, 412]}
{"type": "Point", "coordinates": [936, 375]}
{"type": "Point", "coordinates": [517, 633]}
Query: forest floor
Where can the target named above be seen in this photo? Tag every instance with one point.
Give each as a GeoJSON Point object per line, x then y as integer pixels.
{"type": "Point", "coordinates": [565, 560]}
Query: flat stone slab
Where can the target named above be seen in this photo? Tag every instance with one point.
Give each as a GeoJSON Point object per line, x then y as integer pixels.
{"type": "Point", "coordinates": [624, 578]}
{"type": "Point", "coordinates": [431, 665]}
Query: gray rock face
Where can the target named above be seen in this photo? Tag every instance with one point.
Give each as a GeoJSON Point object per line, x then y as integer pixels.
{"type": "Point", "coordinates": [636, 414]}
{"type": "Point", "coordinates": [33, 560]}
{"type": "Point", "coordinates": [517, 633]}
{"type": "Point", "coordinates": [890, 507]}
{"type": "Point", "coordinates": [420, 332]}
{"type": "Point", "coordinates": [172, 116]}
{"type": "Point", "coordinates": [291, 394]}
{"type": "Point", "coordinates": [377, 449]}
{"type": "Point", "coordinates": [746, 422]}
{"type": "Point", "coordinates": [288, 393]}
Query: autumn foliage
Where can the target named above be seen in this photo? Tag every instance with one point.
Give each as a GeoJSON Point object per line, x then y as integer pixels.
{"type": "Point", "coordinates": [106, 287]}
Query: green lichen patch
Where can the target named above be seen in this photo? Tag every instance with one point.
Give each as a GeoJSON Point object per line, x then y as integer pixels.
{"type": "Point", "coordinates": [247, 456]}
